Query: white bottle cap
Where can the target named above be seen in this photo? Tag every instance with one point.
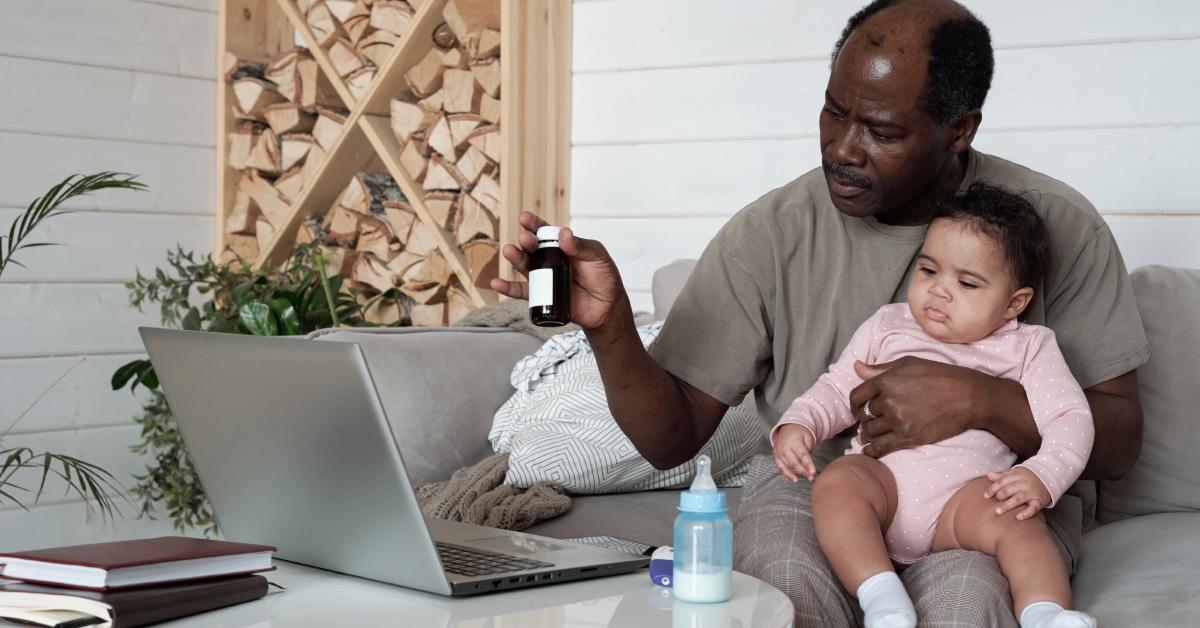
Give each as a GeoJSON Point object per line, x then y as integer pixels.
{"type": "Point", "coordinates": [548, 233]}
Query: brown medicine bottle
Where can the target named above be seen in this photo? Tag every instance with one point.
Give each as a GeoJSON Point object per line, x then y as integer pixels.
{"type": "Point", "coordinates": [549, 281]}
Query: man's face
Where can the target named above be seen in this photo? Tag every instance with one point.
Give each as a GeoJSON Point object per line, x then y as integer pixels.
{"type": "Point", "coordinates": [879, 149]}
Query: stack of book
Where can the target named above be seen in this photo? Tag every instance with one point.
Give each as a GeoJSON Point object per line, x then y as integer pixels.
{"type": "Point", "coordinates": [130, 583]}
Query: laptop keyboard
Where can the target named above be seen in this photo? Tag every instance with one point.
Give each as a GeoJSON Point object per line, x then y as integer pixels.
{"type": "Point", "coordinates": [472, 562]}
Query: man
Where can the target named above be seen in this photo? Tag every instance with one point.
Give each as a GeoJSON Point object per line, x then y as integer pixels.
{"type": "Point", "coordinates": [779, 291]}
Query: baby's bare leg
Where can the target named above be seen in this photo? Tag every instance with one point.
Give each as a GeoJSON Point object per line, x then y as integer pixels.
{"type": "Point", "coordinates": [853, 502]}
{"type": "Point", "coordinates": [1024, 548]}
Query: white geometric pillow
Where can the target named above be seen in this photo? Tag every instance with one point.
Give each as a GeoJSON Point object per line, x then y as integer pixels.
{"type": "Point", "coordinates": [557, 427]}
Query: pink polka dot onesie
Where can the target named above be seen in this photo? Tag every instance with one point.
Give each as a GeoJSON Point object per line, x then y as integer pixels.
{"type": "Point", "coordinates": [927, 476]}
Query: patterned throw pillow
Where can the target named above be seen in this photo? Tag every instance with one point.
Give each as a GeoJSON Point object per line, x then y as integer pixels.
{"type": "Point", "coordinates": [557, 427]}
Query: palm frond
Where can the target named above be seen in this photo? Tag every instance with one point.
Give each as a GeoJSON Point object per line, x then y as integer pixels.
{"type": "Point", "coordinates": [90, 482]}
{"type": "Point", "coordinates": [48, 205]}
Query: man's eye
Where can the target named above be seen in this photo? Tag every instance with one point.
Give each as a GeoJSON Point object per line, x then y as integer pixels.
{"type": "Point", "coordinates": [883, 138]}
{"type": "Point", "coordinates": [967, 286]}
{"type": "Point", "coordinates": [835, 114]}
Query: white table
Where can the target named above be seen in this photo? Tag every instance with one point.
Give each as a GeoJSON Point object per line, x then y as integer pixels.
{"type": "Point", "coordinates": [320, 598]}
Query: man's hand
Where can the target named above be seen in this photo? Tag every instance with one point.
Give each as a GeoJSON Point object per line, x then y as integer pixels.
{"type": "Point", "coordinates": [596, 288]}
{"type": "Point", "coordinates": [793, 452]}
{"type": "Point", "coordinates": [915, 402]}
{"type": "Point", "coordinates": [1016, 487]}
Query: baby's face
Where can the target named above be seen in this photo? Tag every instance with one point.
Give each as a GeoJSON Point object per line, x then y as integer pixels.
{"type": "Point", "coordinates": [962, 289]}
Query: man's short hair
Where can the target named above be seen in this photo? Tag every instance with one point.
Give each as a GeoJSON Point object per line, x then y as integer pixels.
{"type": "Point", "coordinates": [1011, 221]}
{"type": "Point", "coordinates": [960, 63]}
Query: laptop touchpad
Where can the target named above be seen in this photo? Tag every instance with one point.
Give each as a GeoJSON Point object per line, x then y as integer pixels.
{"type": "Point", "coordinates": [520, 545]}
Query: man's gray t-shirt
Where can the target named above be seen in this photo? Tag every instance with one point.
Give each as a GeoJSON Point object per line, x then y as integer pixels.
{"type": "Point", "coordinates": [781, 289]}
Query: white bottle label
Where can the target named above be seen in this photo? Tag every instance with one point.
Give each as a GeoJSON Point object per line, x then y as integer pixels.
{"type": "Point", "coordinates": [541, 287]}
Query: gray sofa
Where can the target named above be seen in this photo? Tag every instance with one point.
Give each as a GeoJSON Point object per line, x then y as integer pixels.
{"type": "Point", "coordinates": [1140, 565]}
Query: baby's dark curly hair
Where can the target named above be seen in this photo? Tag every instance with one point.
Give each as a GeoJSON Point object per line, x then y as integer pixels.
{"type": "Point", "coordinates": [1011, 221]}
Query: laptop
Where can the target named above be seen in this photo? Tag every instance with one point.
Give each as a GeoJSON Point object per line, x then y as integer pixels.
{"type": "Point", "coordinates": [294, 449]}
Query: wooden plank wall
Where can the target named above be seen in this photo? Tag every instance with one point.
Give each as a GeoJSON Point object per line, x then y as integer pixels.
{"type": "Point", "coordinates": [699, 107]}
{"type": "Point", "coordinates": [95, 85]}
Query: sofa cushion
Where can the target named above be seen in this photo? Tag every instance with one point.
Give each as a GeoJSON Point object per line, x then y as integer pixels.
{"type": "Point", "coordinates": [647, 517]}
{"type": "Point", "coordinates": [421, 374]}
{"type": "Point", "coordinates": [1164, 478]}
{"type": "Point", "coordinates": [1140, 572]}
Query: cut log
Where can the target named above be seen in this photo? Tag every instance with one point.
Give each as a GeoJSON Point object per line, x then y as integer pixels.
{"type": "Point", "coordinates": [468, 18]}
{"type": "Point", "coordinates": [385, 312]}
{"type": "Point", "coordinates": [486, 139]}
{"type": "Point", "coordinates": [460, 93]}
{"type": "Point", "coordinates": [440, 140]}
{"type": "Point", "coordinates": [407, 119]}
{"type": "Point", "coordinates": [295, 148]}
{"type": "Point", "coordinates": [368, 191]}
{"type": "Point", "coordinates": [343, 222]}
{"type": "Point", "coordinates": [252, 96]}
{"type": "Point", "coordinates": [483, 261]}
{"type": "Point", "coordinates": [488, 44]}
{"type": "Point", "coordinates": [234, 67]}
{"type": "Point", "coordinates": [306, 5]}
{"type": "Point", "coordinates": [461, 127]}
{"type": "Point", "coordinates": [401, 217]}
{"type": "Point", "coordinates": [426, 282]}
{"type": "Point", "coordinates": [475, 221]}
{"type": "Point", "coordinates": [425, 78]}
{"type": "Point", "coordinates": [242, 216]}
{"type": "Point", "coordinates": [391, 16]}
{"type": "Point", "coordinates": [244, 248]}
{"type": "Point", "coordinates": [358, 28]}
{"type": "Point", "coordinates": [371, 271]}
{"type": "Point", "coordinates": [286, 117]}
{"type": "Point", "coordinates": [360, 80]}
{"type": "Point", "coordinates": [455, 58]}
{"type": "Point", "coordinates": [325, 27]}
{"type": "Point", "coordinates": [433, 103]}
{"type": "Point", "coordinates": [487, 192]}
{"type": "Point", "coordinates": [487, 74]}
{"type": "Point", "coordinates": [282, 72]}
{"type": "Point", "coordinates": [420, 240]}
{"type": "Point", "coordinates": [344, 10]}
{"type": "Point", "coordinates": [290, 184]}
{"type": "Point", "coordinates": [472, 165]}
{"type": "Point", "coordinates": [328, 127]}
{"type": "Point", "coordinates": [423, 315]}
{"type": "Point", "coordinates": [489, 108]}
{"type": "Point", "coordinates": [315, 88]}
{"type": "Point", "coordinates": [458, 303]}
{"type": "Point", "coordinates": [443, 175]}
{"type": "Point", "coordinates": [241, 143]}
{"type": "Point", "coordinates": [377, 46]}
{"type": "Point", "coordinates": [265, 196]}
{"type": "Point", "coordinates": [441, 206]}
{"type": "Point", "coordinates": [263, 232]}
{"type": "Point", "coordinates": [375, 238]}
{"type": "Point", "coordinates": [346, 59]}
{"type": "Point", "coordinates": [412, 162]}
{"type": "Point", "coordinates": [403, 262]}
{"type": "Point", "coordinates": [266, 155]}
{"type": "Point", "coordinates": [312, 162]}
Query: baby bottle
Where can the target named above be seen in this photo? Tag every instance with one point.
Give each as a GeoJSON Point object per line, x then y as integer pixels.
{"type": "Point", "coordinates": [703, 541]}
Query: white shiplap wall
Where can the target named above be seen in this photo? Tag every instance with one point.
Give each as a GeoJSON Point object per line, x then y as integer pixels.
{"type": "Point", "coordinates": [92, 85]}
{"type": "Point", "coordinates": [684, 111]}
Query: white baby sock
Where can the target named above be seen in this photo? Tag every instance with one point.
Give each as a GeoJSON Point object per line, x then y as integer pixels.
{"type": "Point", "coordinates": [1051, 615]}
{"type": "Point", "coordinates": [885, 603]}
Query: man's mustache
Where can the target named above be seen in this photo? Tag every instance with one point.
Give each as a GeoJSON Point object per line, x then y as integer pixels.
{"type": "Point", "coordinates": [846, 173]}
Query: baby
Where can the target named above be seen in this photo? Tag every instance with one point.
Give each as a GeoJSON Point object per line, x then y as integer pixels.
{"type": "Point", "coordinates": [982, 255]}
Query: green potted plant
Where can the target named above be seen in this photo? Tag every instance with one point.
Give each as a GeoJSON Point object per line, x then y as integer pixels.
{"type": "Point", "coordinates": [89, 481]}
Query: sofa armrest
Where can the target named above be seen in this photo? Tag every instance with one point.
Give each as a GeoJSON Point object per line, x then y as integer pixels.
{"type": "Point", "coordinates": [439, 388]}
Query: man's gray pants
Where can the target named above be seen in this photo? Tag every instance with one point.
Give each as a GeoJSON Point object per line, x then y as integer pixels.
{"type": "Point", "coordinates": [774, 540]}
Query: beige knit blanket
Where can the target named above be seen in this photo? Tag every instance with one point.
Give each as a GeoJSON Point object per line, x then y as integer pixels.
{"type": "Point", "coordinates": [477, 494]}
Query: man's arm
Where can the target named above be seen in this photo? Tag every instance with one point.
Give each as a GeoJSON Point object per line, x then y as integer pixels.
{"type": "Point", "coordinates": [667, 419]}
{"type": "Point", "coordinates": [920, 402]}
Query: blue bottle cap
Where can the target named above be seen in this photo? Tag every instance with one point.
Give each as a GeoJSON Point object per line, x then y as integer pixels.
{"type": "Point", "coordinates": [703, 495]}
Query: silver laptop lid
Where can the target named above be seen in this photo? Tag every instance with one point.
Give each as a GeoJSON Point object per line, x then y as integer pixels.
{"type": "Point", "coordinates": [263, 423]}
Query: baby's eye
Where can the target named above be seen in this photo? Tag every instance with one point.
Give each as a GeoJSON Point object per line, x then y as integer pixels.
{"type": "Point", "coordinates": [967, 285]}
{"type": "Point", "coordinates": [928, 271]}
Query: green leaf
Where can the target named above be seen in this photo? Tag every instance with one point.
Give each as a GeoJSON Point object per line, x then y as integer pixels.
{"type": "Point", "coordinates": [127, 372]}
{"type": "Point", "coordinates": [191, 320]}
{"type": "Point", "coordinates": [287, 315]}
{"type": "Point", "coordinates": [256, 316]}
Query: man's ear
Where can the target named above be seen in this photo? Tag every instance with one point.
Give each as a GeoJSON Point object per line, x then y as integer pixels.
{"type": "Point", "coordinates": [962, 133]}
{"type": "Point", "coordinates": [1018, 302]}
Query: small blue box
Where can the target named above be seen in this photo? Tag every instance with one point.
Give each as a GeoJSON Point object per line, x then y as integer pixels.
{"type": "Point", "coordinates": [662, 566]}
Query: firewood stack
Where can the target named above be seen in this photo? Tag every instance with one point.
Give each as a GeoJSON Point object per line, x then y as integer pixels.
{"type": "Point", "coordinates": [289, 114]}
{"type": "Point", "coordinates": [449, 132]}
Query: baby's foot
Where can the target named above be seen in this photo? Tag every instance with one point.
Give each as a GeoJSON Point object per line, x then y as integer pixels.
{"type": "Point", "coordinates": [1051, 615]}
{"type": "Point", "coordinates": [885, 603]}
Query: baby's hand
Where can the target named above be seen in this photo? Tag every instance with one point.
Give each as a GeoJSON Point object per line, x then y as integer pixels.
{"type": "Point", "coordinates": [1015, 487]}
{"type": "Point", "coordinates": [793, 452]}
